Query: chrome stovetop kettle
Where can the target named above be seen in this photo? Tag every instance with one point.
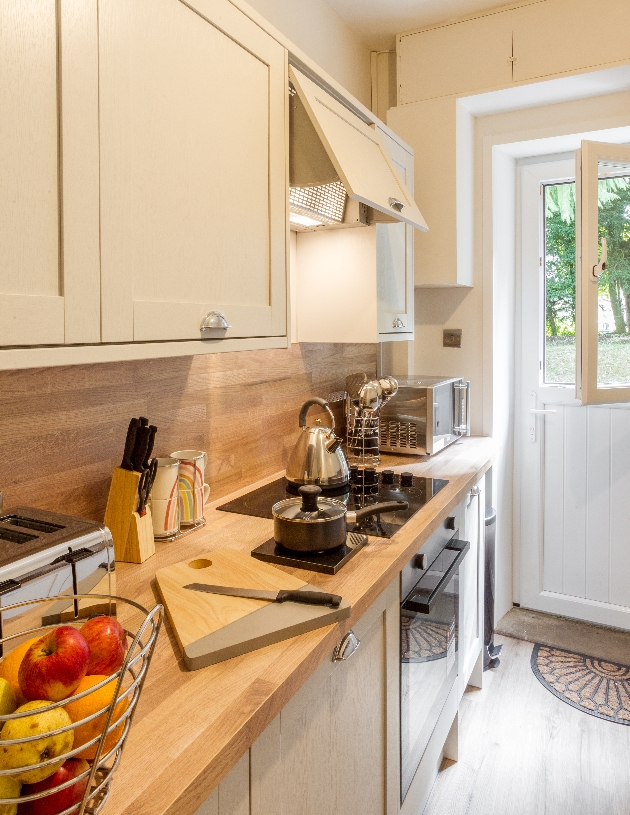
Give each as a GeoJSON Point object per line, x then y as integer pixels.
{"type": "Point", "coordinates": [317, 457]}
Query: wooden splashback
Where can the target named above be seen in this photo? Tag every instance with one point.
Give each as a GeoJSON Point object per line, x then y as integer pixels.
{"type": "Point", "coordinates": [62, 430]}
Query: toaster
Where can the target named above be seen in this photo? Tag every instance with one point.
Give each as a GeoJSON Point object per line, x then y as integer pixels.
{"type": "Point", "coordinates": [44, 554]}
{"type": "Point", "coordinates": [425, 415]}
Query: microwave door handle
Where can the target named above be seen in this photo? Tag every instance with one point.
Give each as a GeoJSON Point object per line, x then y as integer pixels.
{"type": "Point", "coordinates": [462, 402]}
{"type": "Point", "coordinates": [426, 606]}
{"type": "Point", "coordinates": [467, 395]}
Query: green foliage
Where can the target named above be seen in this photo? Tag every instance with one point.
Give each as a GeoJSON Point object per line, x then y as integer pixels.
{"type": "Point", "coordinates": [614, 225]}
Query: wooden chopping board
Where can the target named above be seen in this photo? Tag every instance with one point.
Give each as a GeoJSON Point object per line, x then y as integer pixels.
{"type": "Point", "coordinates": [213, 627]}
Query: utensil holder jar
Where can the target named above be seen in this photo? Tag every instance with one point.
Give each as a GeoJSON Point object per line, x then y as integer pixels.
{"type": "Point", "coordinates": [362, 437]}
{"type": "Point", "coordinates": [118, 713]}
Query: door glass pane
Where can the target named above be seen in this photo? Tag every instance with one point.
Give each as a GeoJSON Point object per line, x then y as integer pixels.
{"type": "Point", "coordinates": [559, 276]}
{"type": "Point", "coordinates": [613, 346]}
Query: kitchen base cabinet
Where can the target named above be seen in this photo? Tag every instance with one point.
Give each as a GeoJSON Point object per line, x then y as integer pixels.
{"type": "Point", "coordinates": [471, 586]}
{"type": "Point", "coordinates": [334, 748]}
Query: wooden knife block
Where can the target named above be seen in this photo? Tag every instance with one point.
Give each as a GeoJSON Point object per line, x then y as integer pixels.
{"type": "Point", "coordinates": [132, 534]}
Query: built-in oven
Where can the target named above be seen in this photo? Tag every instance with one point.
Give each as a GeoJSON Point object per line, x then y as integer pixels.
{"type": "Point", "coordinates": [428, 646]}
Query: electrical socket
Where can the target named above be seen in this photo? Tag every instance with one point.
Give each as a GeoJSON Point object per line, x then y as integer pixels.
{"type": "Point", "coordinates": [452, 338]}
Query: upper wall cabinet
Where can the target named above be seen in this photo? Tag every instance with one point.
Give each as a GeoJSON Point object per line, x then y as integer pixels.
{"type": "Point", "coordinates": [356, 285]}
{"type": "Point", "coordinates": [457, 57]}
{"type": "Point", "coordinates": [49, 277]}
{"type": "Point", "coordinates": [561, 35]}
{"type": "Point", "coordinates": [193, 171]}
{"type": "Point", "coordinates": [394, 259]}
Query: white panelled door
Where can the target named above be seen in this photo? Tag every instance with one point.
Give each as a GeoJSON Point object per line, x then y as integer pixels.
{"type": "Point", "coordinates": [573, 462]}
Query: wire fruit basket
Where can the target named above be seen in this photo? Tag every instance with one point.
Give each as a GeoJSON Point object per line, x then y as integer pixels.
{"type": "Point", "coordinates": [116, 715]}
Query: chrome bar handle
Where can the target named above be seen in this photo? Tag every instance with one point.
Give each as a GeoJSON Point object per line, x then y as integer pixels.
{"type": "Point", "coordinates": [462, 428]}
{"type": "Point", "coordinates": [346, 647]}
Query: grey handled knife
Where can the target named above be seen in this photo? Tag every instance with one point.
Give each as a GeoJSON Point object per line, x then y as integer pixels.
{"type": "Point", "coordinates": [315, 598]}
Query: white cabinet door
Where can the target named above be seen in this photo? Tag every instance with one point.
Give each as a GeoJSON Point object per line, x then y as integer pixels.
{"type": "Point", "coordinates": [458, 57]}
{"type": "Point", "coordinates": [471, 583]}
{"type": "Point", "coordinates": [394, 259]}
{"type": "Point", "coordinates": [335, 747]}
{"type": "Point", "coordinates": [193, 171]}
{"type": "Point", "coordinates": [49, 286]}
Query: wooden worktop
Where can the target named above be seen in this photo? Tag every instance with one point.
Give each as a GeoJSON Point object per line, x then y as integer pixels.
{"type": "Point", "coordinates": [191, 728]}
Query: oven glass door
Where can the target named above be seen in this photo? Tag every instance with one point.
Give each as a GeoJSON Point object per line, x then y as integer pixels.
{"type": "Point", "coordinates": [428, 655]}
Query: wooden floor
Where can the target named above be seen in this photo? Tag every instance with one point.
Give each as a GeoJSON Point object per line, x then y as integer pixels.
{"type": "Point", "coordinates": [524, 752]}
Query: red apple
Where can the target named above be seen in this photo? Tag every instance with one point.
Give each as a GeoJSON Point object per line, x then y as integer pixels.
{"type": "Point", "coordinates": [108, 645]}
{"type": "Point", "coordinates": [57, 801]}
{"type": "Point", "coordinates": [54, 665]}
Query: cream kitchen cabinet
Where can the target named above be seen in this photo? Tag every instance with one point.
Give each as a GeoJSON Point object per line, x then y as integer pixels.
{"type": "Point", "coordinates": [357, 284]}
{"type": "Point", "coordinates": [192, 171]}
{"type": "Point", "coordinates": [471, 582]}
{"type": "Point", "coordinates": [457, 57]}
{"type": "Point", "coordinates": [334, 747]}
{"type": "Point", "coordinates": [442, 257]}
{"type": "Point", "coordinates": [144, 153]}
{"type": "Point", "coordinates": [559, 36]}
{"type": "Point", "coordinates": [49, 264]}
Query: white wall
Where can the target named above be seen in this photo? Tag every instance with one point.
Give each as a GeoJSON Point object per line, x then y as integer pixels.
{"type": "Point", "coordinates": [315, 28]}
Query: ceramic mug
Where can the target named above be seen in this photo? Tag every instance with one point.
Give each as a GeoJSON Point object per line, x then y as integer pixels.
{"type": "Point", "coordinates": [165, 498]}
{"type": "Point", "coordinates": [165, 516]}
{"type": "Point", "coordinates": [193, 492]}
{"type": "Point", "coordinates": [191, 504]}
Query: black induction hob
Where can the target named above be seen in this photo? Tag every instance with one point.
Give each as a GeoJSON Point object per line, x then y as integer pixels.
{"type": "Point", "coordinates": [366, 487]}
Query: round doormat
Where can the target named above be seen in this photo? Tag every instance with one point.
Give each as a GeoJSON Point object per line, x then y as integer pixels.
{"type": "Point", "coordinates": [592, 685]}
{"type": "Point", "coordinates": [422, 640]}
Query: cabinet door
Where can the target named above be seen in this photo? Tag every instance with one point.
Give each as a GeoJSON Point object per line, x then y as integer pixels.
{"type": "Point", "coordinates": [458, 57]}
{"type": "Point", "coordinates": [558, 36]}
{"type": "Point", "coordinates": [471, 582]}
{"type": "Point", "coordinates": [394, 259]}
{"type": "Point", "coordinates": [338, 735]}
{"type": "Point", "coordinates": [193, 170]}
{"type": "Point", "coordinates": [49, 287]}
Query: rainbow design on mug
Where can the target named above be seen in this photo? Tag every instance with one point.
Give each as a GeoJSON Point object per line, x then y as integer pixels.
{"type": "Point", "coordinates": [190, 476]}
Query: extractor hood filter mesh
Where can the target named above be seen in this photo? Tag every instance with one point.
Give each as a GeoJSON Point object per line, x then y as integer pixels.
{"type": "Point", "coordinates": [326, 202]}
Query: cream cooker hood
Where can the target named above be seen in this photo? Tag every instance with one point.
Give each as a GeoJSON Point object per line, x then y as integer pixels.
{"type": "Point", "coordinates": [339, 167]}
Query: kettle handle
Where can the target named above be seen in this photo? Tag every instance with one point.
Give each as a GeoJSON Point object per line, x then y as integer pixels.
{"type": "Point", "coordinates": [315, 401]}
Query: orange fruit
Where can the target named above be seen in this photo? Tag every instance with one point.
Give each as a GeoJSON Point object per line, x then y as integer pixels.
{"type": "Point", "coordinates": [10, 665]}
{"type": "Point", "coordinates": [93, 702]}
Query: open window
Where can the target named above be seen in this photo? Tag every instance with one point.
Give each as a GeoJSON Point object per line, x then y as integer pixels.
{"type": "Point", "coordinates": [603, 273]}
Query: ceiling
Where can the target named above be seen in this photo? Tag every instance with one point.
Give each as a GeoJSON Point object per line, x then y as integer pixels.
{"type": "Point", "coordinates": [377, 22]}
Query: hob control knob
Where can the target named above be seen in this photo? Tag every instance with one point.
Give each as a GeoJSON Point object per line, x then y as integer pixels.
{"type": "Point", "coordinates": [387, 477]}
{"type": "Point", "coordinates": [406, 480]}
{"type": "Point", "coordinates": [449, 523]}
{"type": "Point", "coordinates": [354, 472]}
{"type": "Point", "coordinates": [370, 475]}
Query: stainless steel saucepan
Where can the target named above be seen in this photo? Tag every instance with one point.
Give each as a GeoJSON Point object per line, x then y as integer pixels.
{"type": "Point", "coordinates": [314, 523]}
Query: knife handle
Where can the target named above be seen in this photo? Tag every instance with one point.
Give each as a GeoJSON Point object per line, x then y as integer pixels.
{"type": "Point", "coordinates": [314, 598]}
{"type": "Point", "coordinates": [147, 458]}
{"type": "Point", "coordinates": [140, 448]}
{"type": "Point", "coordinates": [130, 441]}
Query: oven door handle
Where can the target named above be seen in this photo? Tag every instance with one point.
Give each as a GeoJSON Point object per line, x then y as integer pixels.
{"type": "Point", "coordinates": [425, 606]}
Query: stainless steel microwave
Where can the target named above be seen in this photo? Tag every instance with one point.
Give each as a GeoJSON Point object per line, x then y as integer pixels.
{"type": "Point", "coordinates": [425, 415]}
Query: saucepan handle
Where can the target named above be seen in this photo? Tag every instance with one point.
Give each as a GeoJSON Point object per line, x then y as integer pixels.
{"type": "Point", "coordinates": [375, 509]}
